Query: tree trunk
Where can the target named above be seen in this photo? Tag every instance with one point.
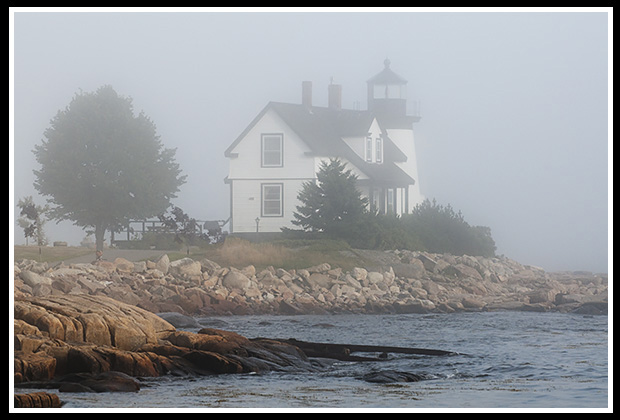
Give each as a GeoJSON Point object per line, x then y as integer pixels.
{"type": "Point", "coordinates": [99, 237]}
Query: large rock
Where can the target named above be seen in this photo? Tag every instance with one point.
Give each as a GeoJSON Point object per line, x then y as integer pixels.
{"type": "Point", "coordinates": [93, 319]}
{"type": "Point", "coordinates": [472, 302]}
{"type": "Point", "coordinates": [235, 279]}
{"type": "Point", "coordinates": [110, 381]}
{"type": "Point", "coordinates": [428, 262]}
{"type": "Point", "coordinates": [36, 400]}
{"type": "Point", "coordinates": [163, 264]}
{"type": "Point", "coordinates": [320, 280]}
{"type": "Point", "coordinates": [89, 337]}
{"type": "Point", "coordinates": [414, 270]}
{"type": "Point", "coordinates": [375, 277]}
{"type": "Point", "coordinates": [359, 273]}
{"type": "Point", "coordinates": [185, 268]}
{"type": "Point", "coordinates": [33, 279]}
{"type": "Point", "coordinates": [123, 265]}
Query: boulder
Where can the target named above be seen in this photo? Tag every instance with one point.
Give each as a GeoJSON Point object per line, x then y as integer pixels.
{"type": "Point", "coordinates": [375, 277]}
{"type": "Point", "coordinates": [428, 262]}
{"type": "Point", "coordinates": [592, 308]}
{"type": "Point", "coordinates": [235, 279]}
{"type": "Point", "coordinates": [94, 319]}
{"type": "Point", "coordinates": [352, 281]}
{"type": "Point", "coordinates": [105, 266]}
{"type": "Point", "coordinates": [414, 270]}
{"type": "Point", "coordinates": [431, 287]}
{"type": "Point", "coordinates": [33, 279]}
{"type": "Point", "coordinates": [110, 381]}
{"type": "Point", "coordinates": [267, 278]}
{"type": "Point", "coordinates": [163, 264]}
{"type": "Point", "coordinates": [471, 302]}
{"type": "Point", "coordinates": [36, 400]}
{"type": "Point", "coordinates": [542, 295]}
{"type": "Point", "coordinates": [317, 279]}
{"type": "Point", "coordinates": [359, 274]}
{"type": "Point", "coordinates": [39, 366]}
{"type": "Point", "coordinates": [209, 266]}
{"type": "Point", "coordinates": [123, 265]}
{"type": "Point", "coordinates": [42, 289]}
{"type": "Point", "coordinates": [185, 268]}
{"type": "Point", "coordinates": [210, 339]}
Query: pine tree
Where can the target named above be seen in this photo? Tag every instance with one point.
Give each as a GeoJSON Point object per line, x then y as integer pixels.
{"type": "Point", "coordinates": [332, 204]}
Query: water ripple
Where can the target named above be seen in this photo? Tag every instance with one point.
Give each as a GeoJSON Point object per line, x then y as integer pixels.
{"type": "Point", "coordinates": [507, 359]}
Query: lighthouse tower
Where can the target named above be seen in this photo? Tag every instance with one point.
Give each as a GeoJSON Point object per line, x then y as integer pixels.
{"type": "Point", "coordinates": [387, 92]}
{"type": "Point", "coordinates": [387, 99]}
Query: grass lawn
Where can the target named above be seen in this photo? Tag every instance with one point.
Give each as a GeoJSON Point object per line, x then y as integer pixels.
{"type": "Point", "coordinates": [48, 253]}
{"type": "Point", "coordinates": [234, 252]}
{"type": "Point", "coordinates": [286, 254]}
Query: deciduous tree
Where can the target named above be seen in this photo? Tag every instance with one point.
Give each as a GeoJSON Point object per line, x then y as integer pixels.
{"type": "Point", "coordinates": [101, 165]}
{"type": "Point", "coordinates": [32, 218]}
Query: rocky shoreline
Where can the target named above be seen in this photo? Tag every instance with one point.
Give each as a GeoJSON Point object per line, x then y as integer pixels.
{"type": "Point", "coordinates": [95, 327]}
{"type": "Point", "coordinates": [397, 282]}
{"type": "Point", "coordinates": [85, 343]}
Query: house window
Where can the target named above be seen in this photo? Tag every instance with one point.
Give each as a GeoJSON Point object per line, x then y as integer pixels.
{"type": "Point", "coordinates": [379, 152]}
{"type": "Point", "coordinates": [375, 195]}
{"type": "Point", "coordinates": [271, 200]}
{"type": "Point", "coordinates": [368, 149]}
{"type": "Point", "coordinates": [390, 201]}
{"type": "Point", "coordinates": [271, 150]}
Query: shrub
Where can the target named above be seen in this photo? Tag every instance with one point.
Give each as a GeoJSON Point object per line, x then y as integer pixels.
{"type": "Point", "coordinates": [334, 208]}
{"type": "Point", "coordinates": [441, 229]}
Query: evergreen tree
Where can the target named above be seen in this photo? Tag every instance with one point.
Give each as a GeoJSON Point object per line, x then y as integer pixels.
{"type": "Point", "coordinates": [333, 204]}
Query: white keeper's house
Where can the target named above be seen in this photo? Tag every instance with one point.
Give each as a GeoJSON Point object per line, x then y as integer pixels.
{"type": "Point", "coordinates": [284, 145]}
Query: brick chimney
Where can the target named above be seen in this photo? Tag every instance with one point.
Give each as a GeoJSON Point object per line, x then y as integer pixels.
{"type": "Point", "coordinates": [306, 93]}
{"type": "Point", "coordinates": [334, 96]}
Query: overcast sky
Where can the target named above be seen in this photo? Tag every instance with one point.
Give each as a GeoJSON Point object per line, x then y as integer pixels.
{"type": "Point", "coordinates": [514, 130]}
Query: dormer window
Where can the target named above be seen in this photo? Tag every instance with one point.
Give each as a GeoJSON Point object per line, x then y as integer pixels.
{"type": "Point", "coordinates": [373, 151]}
{"type": "Point", "coordinates": [271, 151]}
{"type": "Point", "coordinates": [379, 151]}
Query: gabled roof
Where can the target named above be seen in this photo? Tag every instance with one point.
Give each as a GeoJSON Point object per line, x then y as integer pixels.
{"type": "Point", "coordinates": [323, 130]}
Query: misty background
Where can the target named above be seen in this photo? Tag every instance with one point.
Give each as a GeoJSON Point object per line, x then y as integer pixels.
{"type": "Point", "coordinates": [514, 105]}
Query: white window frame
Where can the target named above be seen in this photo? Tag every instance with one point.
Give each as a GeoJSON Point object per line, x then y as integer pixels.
{"type": "Point", "coordinates": [379, 150]}
{"type": "Point", "coordinates": [390, 205]}
{"type": "Point", "coordinates": [368, 149]}
{"type": "Point", "coordinates": [265, 152]}
{"type": "Point", "coordinates": [267, 198]}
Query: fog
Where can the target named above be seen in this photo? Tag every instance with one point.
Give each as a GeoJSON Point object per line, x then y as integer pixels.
{"type": "Point", "coordinates": [515, 120]}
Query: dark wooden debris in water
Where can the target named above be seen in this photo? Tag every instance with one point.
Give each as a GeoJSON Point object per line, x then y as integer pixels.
{"type": "Point", "coordinates": [343, 351]}
{"type": "Point", "coordinates": [391, 376]}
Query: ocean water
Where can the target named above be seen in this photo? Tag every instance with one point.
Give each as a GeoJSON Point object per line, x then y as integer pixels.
{"type": "Point", "coordinates": [503, 360]}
